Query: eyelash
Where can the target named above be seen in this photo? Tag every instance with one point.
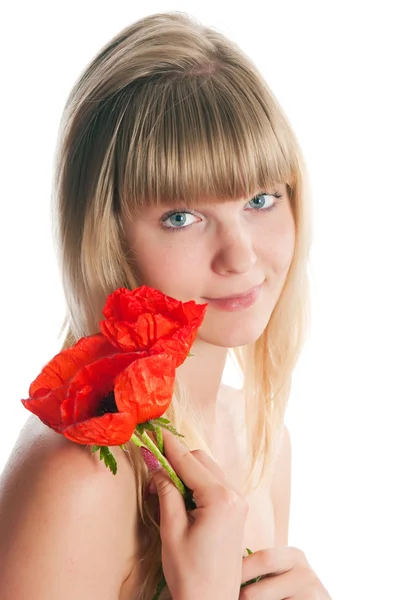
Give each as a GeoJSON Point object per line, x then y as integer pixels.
{"type": "Point", "coordinates": [183, 210]}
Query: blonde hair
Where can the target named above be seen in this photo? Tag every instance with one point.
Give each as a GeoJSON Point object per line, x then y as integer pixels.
{"type": "Point", "coordinates": [170, 109]}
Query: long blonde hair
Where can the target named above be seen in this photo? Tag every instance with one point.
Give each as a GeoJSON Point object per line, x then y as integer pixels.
{"type": "Point", "coordinates": [170, 109]}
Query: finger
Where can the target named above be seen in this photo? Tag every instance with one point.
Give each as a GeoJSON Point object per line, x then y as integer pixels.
{"type": "Point", "coordinates": [214, 468]}
{"type": "Point", "coordinates": [205, 459]}
{"type": "Point", "coordinates": [173, 514]}
{"type": "Point", "coordinates": [269, 562]}
{"type": "Point", "coordinates": [283, 585]}
{"type": "Point", "coordinates": [208, 462]}
{"type": "Point", "coordinates": [196, 476]}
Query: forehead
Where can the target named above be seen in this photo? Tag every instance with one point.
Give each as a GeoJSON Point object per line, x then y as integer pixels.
{"type": "Point", "coordinates": [202, 142]}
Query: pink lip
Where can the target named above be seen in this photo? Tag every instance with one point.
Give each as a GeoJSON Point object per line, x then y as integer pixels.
{"type": "Point", "coordinates": [236, 302]}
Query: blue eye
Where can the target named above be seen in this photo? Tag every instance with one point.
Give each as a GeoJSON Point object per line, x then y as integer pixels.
{"type": "Point", "coordinates": [259, 199]}
{"type": "Point", "coordinates": [178, 219]}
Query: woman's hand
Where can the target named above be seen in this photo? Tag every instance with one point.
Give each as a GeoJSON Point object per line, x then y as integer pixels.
{"type": "Point", "coordinates": [202, 548]}
{"type": "Point", "coordinates": [286, 575]}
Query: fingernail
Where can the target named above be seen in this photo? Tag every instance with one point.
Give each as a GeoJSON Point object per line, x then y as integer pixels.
{"type": "Point", "coordinates": [150, 459]}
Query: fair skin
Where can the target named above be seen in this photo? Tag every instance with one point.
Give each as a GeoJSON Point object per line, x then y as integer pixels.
{"type": "Point", "coordinates": [94, 520]}
{"type": "Point", "coordinates": [62, 515]}
{"type": "Point", "coordinates": [222, 249]}
{"type": "Point", "coordinates": [220, 514]}
{"type": "Point", "coordinates": [218, 250]}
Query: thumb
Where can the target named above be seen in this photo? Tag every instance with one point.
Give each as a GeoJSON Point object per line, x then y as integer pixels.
{"type": "Point", "coordinates": [173, 512]}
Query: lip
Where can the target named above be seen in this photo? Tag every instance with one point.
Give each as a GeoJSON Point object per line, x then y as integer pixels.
{"type": "Point", "coordinates": [238, 302]}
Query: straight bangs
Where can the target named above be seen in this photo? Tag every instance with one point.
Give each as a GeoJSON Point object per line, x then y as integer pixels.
{"type": "Point", "coordinates": [201, 138]}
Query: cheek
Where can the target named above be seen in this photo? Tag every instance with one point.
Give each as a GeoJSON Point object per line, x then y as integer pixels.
{"type": "Point", "coordinates": [167, 267]}
{"type": "Point", "coordinates": [277, 250]}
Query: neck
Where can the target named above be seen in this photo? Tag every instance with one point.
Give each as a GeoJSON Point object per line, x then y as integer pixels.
{"type": "Point", "coordinates": [201, 376]}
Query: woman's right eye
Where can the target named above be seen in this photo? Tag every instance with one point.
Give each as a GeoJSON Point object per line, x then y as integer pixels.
{"type": "Point", "coordinates": [177, 220]}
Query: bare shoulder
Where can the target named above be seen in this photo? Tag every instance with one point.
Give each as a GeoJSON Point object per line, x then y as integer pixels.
{"type": "Point", "coordinates": [66, 522]}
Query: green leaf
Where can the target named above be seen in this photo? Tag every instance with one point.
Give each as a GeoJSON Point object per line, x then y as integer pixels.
{"type": "Point", "coordinates": [166, 424]}
{"type": "Point", "coordinates": [108, 458]}
{"type": "Point", "coordinates": [95, 449]}
{"type": "Point", "coordinates": [251, 580]}
{"type": "Point", "coordinates": [173, 430]}
{"type": "Point", "coordinates": [140, 428]}
{"type": "Point", "coordinates": [161, 420]}
{"type": "Point", "coordinates": [148, 425]}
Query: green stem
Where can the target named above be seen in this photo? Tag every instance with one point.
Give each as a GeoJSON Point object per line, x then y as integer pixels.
{"type": "Point", "coordinates": [148, 443]}
{"type": "Point", "coordinates": [137, 441]}
{"type": "Point", "coordinates": [159, 438]}
{"type": "Point", "coordinates": [161, 585]}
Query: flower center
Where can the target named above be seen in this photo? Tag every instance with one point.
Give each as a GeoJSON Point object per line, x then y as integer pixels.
{"type": "Point", "coordinates": [108, 405]}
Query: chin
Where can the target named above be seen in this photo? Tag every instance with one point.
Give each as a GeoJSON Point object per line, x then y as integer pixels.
{"type": "Point", "coordinates": [240, 333]}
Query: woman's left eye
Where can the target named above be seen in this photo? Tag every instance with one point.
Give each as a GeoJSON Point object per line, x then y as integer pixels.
{"type": "Point", "coordinates": [260, 201]}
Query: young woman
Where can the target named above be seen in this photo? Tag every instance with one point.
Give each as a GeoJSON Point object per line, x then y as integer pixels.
{"type": "Point", "coordinates": [176, 168]}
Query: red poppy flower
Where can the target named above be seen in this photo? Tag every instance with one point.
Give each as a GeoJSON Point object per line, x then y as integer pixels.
{"type": "Point", "coordinates": [94, 394]}
{"type": "Point", "coordinates": [147, 319]}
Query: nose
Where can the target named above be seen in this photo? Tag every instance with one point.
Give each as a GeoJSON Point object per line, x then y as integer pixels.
{"type": "Point", "coordinates": [235, 252]}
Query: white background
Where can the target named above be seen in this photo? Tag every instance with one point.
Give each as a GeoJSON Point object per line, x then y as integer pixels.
{"type": "Point", "coordinates": [333, 67]}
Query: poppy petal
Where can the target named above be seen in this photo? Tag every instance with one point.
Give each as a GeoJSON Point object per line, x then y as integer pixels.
{"type": "Point", "coordinates": [48, 407]}
{"type": "Point", "coordinates": [147, 385]}
{"type": "Point", "coordinates": [142, 317]}
{"type": "Point", "coordinates": [91, 384]}
{"type": "Point", "coordinates": [142, 334]}
{"type": "Point", "coordinates": [178, 345]}
{"type": "Point", "coordinates": [127, 305]}
{"type": "Point", "coordinates": [60, 369]}
{"type": "Point", "coordinates": [111, 429]}
{"type": "Point", "coordinates": [124, 304]}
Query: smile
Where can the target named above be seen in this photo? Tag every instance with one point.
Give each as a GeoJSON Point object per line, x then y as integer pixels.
{"type": "Point", "coordinates": [236, 303]}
